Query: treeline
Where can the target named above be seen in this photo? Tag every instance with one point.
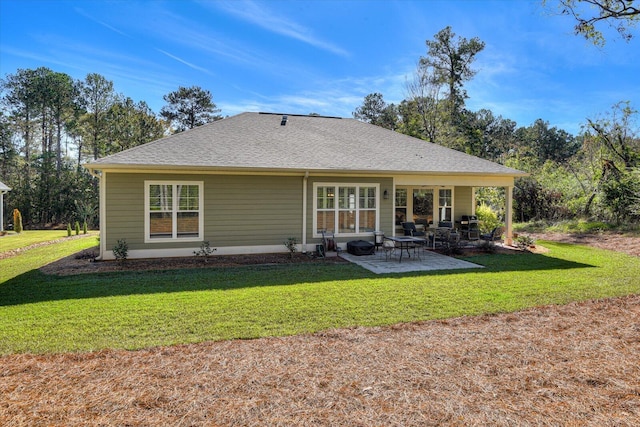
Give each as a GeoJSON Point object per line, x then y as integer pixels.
{"type": "Point", "coordinates": [594, 175]}
{"type": "Point", "coordinates": [50, 124]}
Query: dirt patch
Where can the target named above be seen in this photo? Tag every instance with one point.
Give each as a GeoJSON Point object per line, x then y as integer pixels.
{"type": "Point", "coordinates": [557, 365]}
{"type": "Point", "coordinates": [611, 241]}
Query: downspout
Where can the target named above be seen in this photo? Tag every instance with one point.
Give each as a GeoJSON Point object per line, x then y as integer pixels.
{"type": "Point", "coordinates": [304, 211]}
{"type": "Point", "coordinates": [102, 212]}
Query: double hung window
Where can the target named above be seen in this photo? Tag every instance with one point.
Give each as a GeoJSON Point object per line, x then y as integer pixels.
{"type": "Point", "coordinates": [173, 211]}
{"type": "Point", "coordinates": [346, 208]}
{"type": "Point", "coordinates": [446, 204]}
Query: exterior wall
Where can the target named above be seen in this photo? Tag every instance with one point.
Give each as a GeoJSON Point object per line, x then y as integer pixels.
{"type": "Point", "coordinates": [462, 202]}
{"type": "Point", "coordinates": [241, 213]}
{"type": "Point", "coordinates": [249, 213]}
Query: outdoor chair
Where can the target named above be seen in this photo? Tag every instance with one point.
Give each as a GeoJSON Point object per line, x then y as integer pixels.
{"type": "Point", "coordinates": [496, 234]}
{"type": "Point", "coordinates": [389, 249]}
{"type": "Point", "coordinates": [410, 230]}
{"type": "Point", "coordinates": [446, 237]}
{"type": "Point", "coordinates": [441, 236]}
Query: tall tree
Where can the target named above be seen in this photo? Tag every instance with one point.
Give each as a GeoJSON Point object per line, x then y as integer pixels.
{"type": "Point", "coordinates": [619, 14]}
{"type": "Point", "coordinates": [451, 59]}
{"type": "Point", "coordinates": [617, 139]}
{"type": "Point", "coordinates": [488, 136]}
{"type": "Point", "coordinates": [97, 97]}
{"type": "Point", "coordinates": [619, 135]}
{"type": "Point", "coordinates": [129, 124]}
{"type": "Point", "coordinates": [8, 150]}
{"type": "Point", "coordinates": [423, 108]}
{"type": "Point", "coordinates": [21, 101]}
{"type": "Point", "coordinates": [64, 107]}
{"type": "Point", "coordinates": [376, 111]}
{"type": "Point", "coordinates": [548, 143]}
{"type": "Point", "coordinates": [189, 107]}
{"type": "Point", "coordinates": [40, 103]}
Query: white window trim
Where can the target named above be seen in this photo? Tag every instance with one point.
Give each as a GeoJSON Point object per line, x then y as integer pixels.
{"type": "Point", "coordinates": [147, 212]}
{"type": "Point", "coordinates": [316, 233]}
{"type": "Point", "coordinates": [453, 207]}
{"type": "Point", "coordinates": [436, 201]}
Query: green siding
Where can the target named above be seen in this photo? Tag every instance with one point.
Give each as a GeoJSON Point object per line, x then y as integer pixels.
{"type": "Point", "coordinates": [125, 210]}
{"type": "Point", "coordinates": [238, 210]}
{"type": "Point", "coordinates": [252, 210]}
{"type": "Point", "coordinates": [463, 197]}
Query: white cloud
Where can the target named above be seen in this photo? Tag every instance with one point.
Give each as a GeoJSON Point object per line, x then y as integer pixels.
{"type": "Point", "coordinates": [256, 14]}
{"type": "Point", "coordinates": [188, 64]}
{"type": "Point", "coordinates": [104, 24]}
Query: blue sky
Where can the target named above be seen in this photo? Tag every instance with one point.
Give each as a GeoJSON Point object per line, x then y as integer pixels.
{"type": "Point", "coordinates": [322, 56]}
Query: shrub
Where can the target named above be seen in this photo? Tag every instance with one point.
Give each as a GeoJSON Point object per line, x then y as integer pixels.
{"type": "Point", "coordinates": [487, 218]}
{"type": "Point", "coordinates": [77, 228]}
{"type": "Point", "coordinates": [17, 221]}
{"type": "Point", "coordinates": [121, 250]}
{"type": "Point", "coordinates": [487, 246]}
{"type": "Point", "coordinates": [205, 251]}
{"type": "Point", "coordinates": [84, 227]}
{"type": "Point", "coordinates": [290, 244]}
{"type": "Point", "coordinates": [69, 230]}
{"type": "Point", "coordinates": [524, 242]}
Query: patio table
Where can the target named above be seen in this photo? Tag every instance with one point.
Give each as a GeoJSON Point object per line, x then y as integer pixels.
{"type": "Point", "coordinates": [404, 243]}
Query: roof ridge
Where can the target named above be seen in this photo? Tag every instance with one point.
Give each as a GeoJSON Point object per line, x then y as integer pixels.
{"type": "Point", "coordinates": [299, 115]}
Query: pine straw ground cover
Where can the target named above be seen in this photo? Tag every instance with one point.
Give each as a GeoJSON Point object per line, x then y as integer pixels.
{"type": "Point", "coordinates": [575, 364]}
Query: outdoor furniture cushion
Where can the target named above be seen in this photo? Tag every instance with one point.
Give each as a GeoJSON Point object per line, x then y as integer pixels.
{"type": "Point", "coordinates": [410, 229]}
{"type": "Point", "coordinates": [360, 247]}
{"type": "Point", "coordinates": [496, 234]}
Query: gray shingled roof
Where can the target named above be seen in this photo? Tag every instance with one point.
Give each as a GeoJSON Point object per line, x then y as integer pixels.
{"type": "Point", "coordinates": [258, 141]}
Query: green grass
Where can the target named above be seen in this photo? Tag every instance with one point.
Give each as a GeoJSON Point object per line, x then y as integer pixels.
{"type": "Point", "coordinates": [14, 240]}
{"type": "Point", "coordinates": [37, 257]}
{"type": "Point", "coordinates": [131, 310]}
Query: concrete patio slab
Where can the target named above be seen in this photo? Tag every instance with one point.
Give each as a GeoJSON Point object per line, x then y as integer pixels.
{"type": "Point", "coordinates": [428, 261]}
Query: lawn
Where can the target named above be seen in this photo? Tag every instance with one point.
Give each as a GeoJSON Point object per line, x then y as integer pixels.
{"type": "Point", "coordinates": [132, 310]}
{"type": "Point", "coordinates": [13, 241]}
{"type": "Point", "coordinates": [40, 253]}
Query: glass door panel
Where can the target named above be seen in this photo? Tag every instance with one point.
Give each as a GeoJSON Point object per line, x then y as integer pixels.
{"type": "Point", "coordinates": [423, 206]}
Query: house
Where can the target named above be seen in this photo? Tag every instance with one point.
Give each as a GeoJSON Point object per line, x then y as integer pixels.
{"type": "Point", "coordinates": [249, 182]}
{"type": "Point", "coordinates": [3, 189]}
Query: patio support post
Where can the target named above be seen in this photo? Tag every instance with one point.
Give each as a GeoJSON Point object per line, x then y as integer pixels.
{"type": "Point", "coordinates": [508, 215]}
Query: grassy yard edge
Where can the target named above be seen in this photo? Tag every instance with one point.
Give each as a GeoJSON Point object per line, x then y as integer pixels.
{"type": "Point", "coordinates": [134, 310]}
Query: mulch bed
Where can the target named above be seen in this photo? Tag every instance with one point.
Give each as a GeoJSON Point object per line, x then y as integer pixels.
{"type": "Point", "coordinates": [558, 365]}
{"type": "Point", "coordinates": [83, 262]}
